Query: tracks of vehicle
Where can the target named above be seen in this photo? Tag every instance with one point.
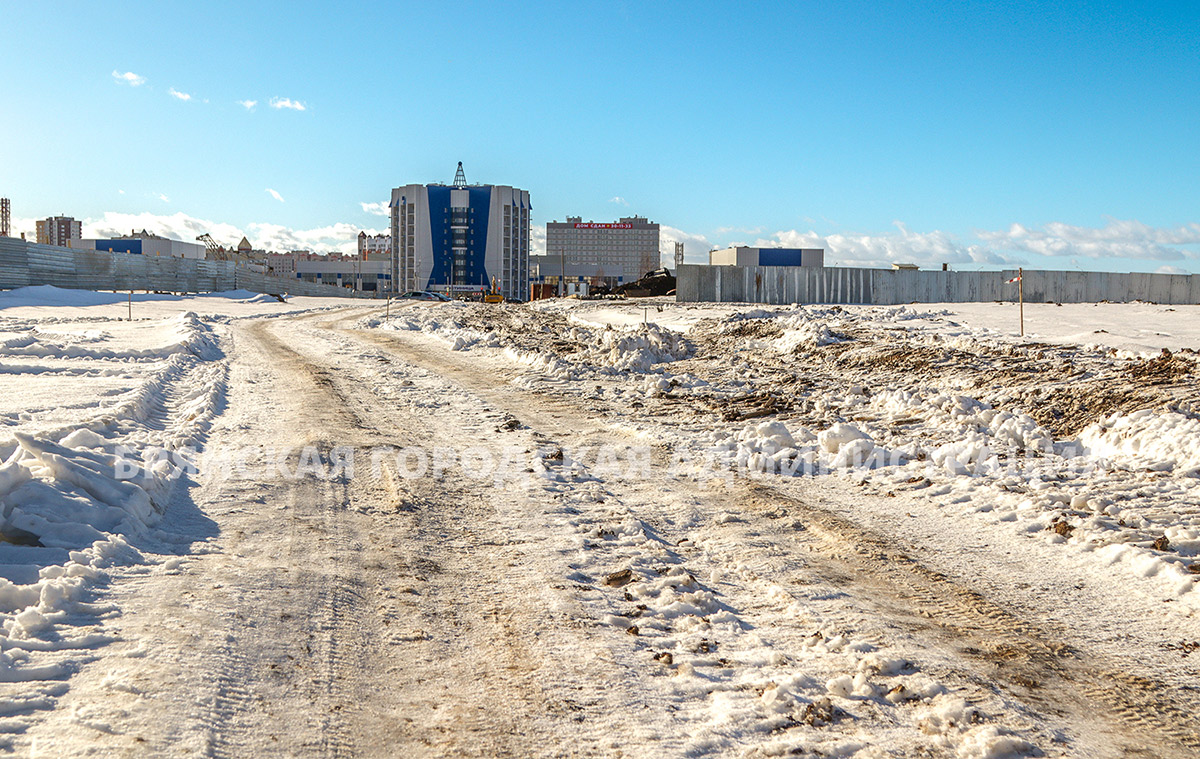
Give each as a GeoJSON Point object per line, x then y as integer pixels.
{"type": "Point", "coordinates": [413, 644]}
{"type": "Point", "coordinates": [1111, 704]}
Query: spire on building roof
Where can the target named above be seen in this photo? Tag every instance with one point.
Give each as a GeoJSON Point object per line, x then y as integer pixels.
{"type": "Point", "coordinates": [460, 179]}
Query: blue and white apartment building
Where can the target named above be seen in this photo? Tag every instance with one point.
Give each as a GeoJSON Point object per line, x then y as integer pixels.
{"type": "Point", "coordinates": [459, 238]}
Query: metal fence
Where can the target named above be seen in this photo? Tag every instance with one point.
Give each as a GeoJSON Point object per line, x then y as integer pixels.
{"type": "Point", "coordinates": [23, 263]}
{"type": "Point", "coordinates": [795, 284]}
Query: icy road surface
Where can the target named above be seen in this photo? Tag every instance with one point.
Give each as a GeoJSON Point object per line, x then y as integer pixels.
{"type": "Point", "coordinates": [595, 530]}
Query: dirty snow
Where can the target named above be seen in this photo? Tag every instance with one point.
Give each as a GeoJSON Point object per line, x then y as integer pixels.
{"type": "Point", "coordinates": [721, 592]}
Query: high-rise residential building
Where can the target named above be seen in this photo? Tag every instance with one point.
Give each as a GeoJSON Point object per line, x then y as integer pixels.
{"type": "Point", "coordinates": [63, 231]}
{"type": "Point", "coordinates": [460, 238]}
{"type": "Point", "coordinates": [626, 248]}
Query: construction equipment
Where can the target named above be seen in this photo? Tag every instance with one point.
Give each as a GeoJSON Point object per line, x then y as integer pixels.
{"type": "Point", "coordinates": [493, 295]}
{"type": "Point", "coordinates": [209, 243]}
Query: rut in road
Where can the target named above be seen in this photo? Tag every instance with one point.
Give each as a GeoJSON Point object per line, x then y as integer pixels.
{"type": "Point", "coordinates": [410, 644]}
{"type": "Point", "coordinates": [1038, 667]}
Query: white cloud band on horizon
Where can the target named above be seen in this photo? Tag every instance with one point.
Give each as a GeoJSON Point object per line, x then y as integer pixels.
{"type": "Point", "coordinates": [1116, 239]}
{"type": "Point", "coordinates": [288, 103]}
{"type": "Point", "coordinates": [340, 237]}
{"type": "Point", "coordinates": [901, 246]}
{"type": "Point", "coordinates": [130, 78]}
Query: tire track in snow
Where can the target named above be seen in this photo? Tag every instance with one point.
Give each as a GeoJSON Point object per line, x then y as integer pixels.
{"type": "Point", "coordinates": [447, 615]}
{"type": "Point", "coordinates": [1033, 665]}
{"type": "Point", "coordinates": [1029, 661]}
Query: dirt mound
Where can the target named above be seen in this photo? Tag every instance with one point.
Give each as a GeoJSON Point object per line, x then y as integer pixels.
{"type": "Point", "coordinates": [1167, 367]}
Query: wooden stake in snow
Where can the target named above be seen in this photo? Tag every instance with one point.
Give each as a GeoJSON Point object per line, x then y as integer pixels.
{"type": "Point", "coordinates": [1020, 280]}
{"type": "Point", "coordinates": [1021, 297]}
{"type": "Point", "coordinates": [131, 305]}
{"type": "Point", "coordinates": [387, 312]}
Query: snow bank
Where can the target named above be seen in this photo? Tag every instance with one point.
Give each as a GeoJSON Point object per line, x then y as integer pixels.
{"type": "Point", "coordinates": [574, 351]}
{"type": "Point", "coordinates": [1147, 439]}
{"type": "Point", "coordinates": [184, 333]}
{"type": "Point", "coordinates": [75, 498]}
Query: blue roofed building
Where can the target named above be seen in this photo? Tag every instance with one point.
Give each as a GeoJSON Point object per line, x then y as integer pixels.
{"type": "Point", "coordinates": [747, 256]}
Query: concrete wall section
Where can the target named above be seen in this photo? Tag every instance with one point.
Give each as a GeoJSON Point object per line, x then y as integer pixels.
{"type": "Point", "coordinates": [790, 284]}
{"type": "Point", "coordinates": [24, 263]}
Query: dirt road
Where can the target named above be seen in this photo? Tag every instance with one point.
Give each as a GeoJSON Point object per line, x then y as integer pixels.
{"type": "Point", "coordinates": [369, 611]}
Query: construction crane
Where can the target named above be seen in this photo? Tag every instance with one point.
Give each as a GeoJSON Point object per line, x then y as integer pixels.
{"type": "Point", "coordinates": [209, 243]}
{"type": "Point", "coordinates": [5, 219]}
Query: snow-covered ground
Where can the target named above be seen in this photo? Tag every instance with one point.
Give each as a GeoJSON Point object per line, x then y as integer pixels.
{"type": "Point", "coordinates": [597, 529]}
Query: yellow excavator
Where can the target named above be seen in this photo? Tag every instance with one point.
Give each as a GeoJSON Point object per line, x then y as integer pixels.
{"type": "Point", "coordinates": [493, 295]}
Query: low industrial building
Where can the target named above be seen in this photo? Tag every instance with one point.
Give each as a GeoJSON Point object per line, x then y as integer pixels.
{"type": "Point", "coordinates": [746, 256]}
{"type": "Point", "coordinates": [369, 273]}
{"type": "Point", "coordinates": [146, 244]}
{"type": "Point", "coordinates": [580, 278]}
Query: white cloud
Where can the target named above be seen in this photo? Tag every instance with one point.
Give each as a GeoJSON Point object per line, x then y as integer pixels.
{"type": "Point", "coordinates": [248, 104]}
{"type": "Point", "coordinates": [902, 246]}
{"type": "Point", "coordinates": [695, 247]}
{"type": "Point", "coordinates": [177, 226]}
{"type": "Point", "coordinates": [738, 230]}
{"type": "Point", "coordinates": [130, 78]}
{"type": "Point", "coordinates": [376, 209]}
{"type": "Point", "coordinates": [28, 227]}
{"type": "Point", "coordinates": [1116, 239]}
{"type": "Point", "coordinates": [294, 105]}
{"type": "Point", "coordinates": [537, 239]}
{"type": "Point", "coordinates": [618, 200]}
{"type": "Point", "coordinates": [341, 237]}
{"type": "Point", "coordinates": [179, 95]}
{"type": "Point", "coordinates": [1170, 270]}
{"type": "Point", "coordinates": [163, 197]}
{"type": "Point", "coordinates": [275, 194]}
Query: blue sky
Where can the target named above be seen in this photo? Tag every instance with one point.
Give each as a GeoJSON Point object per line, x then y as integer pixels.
{"type": "Point", "coordinates": [1056, 135]}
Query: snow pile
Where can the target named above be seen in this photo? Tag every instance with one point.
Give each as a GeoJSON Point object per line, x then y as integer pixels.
{"type": "Point", "coordinates": [608, 351]}
{"type": "Point", "coordinates": [771, 448]}
{"type": "Point", "coordinates": [445, 327]}
{"type": "Point", "coordinates": [799, 332]}
{"type": "Point", "coordinates": [1147, 439]}
{"type": "Point", "coordinates": [631, 350]}
{"type": "Point", "coordinates": [570, 352]}
{"type": "Point", "coordinates": [75, 497]}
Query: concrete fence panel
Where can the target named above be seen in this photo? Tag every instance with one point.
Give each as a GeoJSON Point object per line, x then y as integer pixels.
{"type": "Point", "coordinates": [793, 284]}
{"type": "Point", "coordinates": [23, 264]}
